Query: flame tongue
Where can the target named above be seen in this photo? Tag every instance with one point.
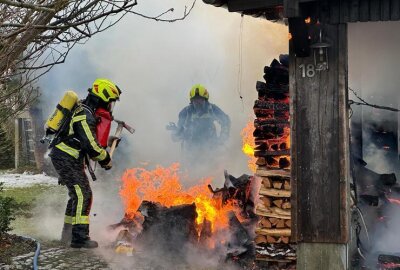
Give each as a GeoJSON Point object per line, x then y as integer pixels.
{"type": "Point", "coordinates": [162, 185]}
{"type": "Point", "coordinates": [249, 145]}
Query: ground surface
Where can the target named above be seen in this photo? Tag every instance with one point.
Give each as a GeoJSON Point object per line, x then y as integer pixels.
{"type": "Point", "coordinates": [39, 196]}
{"type": "Point", "coordinates": [12, 245]}
{"type": "Point", "coordinates": [41, 205]}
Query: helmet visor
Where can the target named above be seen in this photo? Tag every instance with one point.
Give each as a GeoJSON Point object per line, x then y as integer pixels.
{"type": "Point", "coordinates": [111, 106]}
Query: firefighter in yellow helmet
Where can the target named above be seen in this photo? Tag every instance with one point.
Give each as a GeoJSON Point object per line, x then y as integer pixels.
{"type": "Point", "coordinates": [77, 141]}
{"type": "Point", "coordinates": [196, 124]}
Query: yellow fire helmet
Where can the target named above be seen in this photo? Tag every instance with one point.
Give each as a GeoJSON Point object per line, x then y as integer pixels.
{"type": "Point", "coordinates": [200, 91]}
{"type": "Point", "coordinates": [106, 90]}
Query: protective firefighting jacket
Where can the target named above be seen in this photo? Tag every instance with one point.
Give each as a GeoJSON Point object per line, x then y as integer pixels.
{"type": "Point", "coordinates": [80, 138]}
{"type": "Point", "coordinates": [198, 128]}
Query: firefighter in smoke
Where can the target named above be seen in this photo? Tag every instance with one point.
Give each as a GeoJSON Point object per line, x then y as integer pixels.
{"type": "Point", "coordinates": [71, 150]}
{"type": "Point", "coordinates": [196, 128]}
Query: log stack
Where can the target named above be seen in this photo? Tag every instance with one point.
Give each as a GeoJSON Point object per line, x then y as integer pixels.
{"type": "Point", "coordinates": [271, 134]}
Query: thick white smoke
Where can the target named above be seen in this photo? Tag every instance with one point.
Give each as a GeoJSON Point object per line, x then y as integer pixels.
{"type": "Point", "coordinates": [374, 74]}
{"type": "Point", "coordinates": [155, 64]}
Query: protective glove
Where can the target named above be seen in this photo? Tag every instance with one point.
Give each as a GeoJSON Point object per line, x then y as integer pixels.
{"type": "Point", "coordinates": [111, 139]}
{"type": "Point", "coordinates": [106, 163]}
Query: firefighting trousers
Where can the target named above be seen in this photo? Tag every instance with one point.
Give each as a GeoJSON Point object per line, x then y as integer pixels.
{"type": "Point", "coordinates": [72, 175]}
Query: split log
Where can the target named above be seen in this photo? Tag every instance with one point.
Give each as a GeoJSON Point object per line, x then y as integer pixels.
{"type": "Point", "coordinates": [274, 153]}
{"type": "Point", "coordinates": [288, 223]}
{"type": "Point", "coordinates": [275, 210]}
{"type": "Point", "coordinates": [267, 259]}
{"type": "Point", "coordinates": [262, 171]}
{"type": "Point", "coordinates": [265, 223]}
{"type": "Point", "coordinates": [266, 201]}
{"type": "Point", "coordinates": [260, 239]}
{"type": "Point", "coordinates": [286, 186]}
{"type": "Point", "coordinates": [261, 161]}
{"type": "Point", "coordinates": [280, 224]}
{"type": "Point", "coordinates": [273, 220]}
{"type": "Point", "coordinates": [284, 163]}
{"type": "Point", "coordinates": [277, 184]}
{"type": "Point", "coordinates": [286, 205]}
{"type": "Point", "coordinates": [274, 232]}
{"type": "Point", "coordinates": [278, 203]}
{"type": "Point", "coordinates": [285, 239]}
{"type": "Point", "coordinates": [266, 182]}
{"type": "Point", "coordinates": [274, 192]}
{"type": "Point", "coordinates": [271, 240]}
{"type": "Point", "coordinates": [271, 215]}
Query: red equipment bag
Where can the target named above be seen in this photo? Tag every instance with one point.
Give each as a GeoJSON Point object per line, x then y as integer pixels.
{"type": "Point", "coordinates": [103, 127]}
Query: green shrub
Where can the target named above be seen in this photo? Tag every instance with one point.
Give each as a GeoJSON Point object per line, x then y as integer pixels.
{"type": "Point", "coordinates": [8, 207]}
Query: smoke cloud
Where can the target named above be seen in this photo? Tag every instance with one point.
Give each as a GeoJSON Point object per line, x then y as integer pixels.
{"type": "Point", "coordinates": [155, 64]}
{"type": "Point", "coordinates": [373, 74]}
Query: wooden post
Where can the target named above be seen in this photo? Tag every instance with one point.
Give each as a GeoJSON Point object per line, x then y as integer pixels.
{"type": "Point", "coordinates": [320, 154]}
{"type": "Point", "coordinates": [16, 143]}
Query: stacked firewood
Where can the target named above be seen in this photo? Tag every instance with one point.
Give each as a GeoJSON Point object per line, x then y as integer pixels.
{"type": "Point", "coordinates": [272, 130]}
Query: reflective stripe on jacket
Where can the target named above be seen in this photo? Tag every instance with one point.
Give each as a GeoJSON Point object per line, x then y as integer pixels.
{"type": "Point", "coordinates": [81, 139]}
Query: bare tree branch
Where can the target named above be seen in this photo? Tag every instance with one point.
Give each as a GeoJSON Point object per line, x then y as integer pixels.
{"type": "Point", "coordinates": [27, 5]}
{"type": "Point", "coordinates": [35, 35]}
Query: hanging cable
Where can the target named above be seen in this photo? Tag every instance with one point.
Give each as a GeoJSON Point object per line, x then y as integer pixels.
{"type": "Point", "coordinates": [363, 102]}
{"type": "Point", "coordinates": [239, 79]}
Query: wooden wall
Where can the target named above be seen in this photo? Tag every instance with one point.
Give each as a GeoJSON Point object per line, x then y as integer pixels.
{"type": "Point", "coordinates": [343, 11]}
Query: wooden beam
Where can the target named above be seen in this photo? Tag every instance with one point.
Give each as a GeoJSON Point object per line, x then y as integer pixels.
{"type": "Point", "coordinates": [395, 10]}
{"type": "Point", "coordinates": [240, 5]}
{"type": "Point", "coordinates": [364, 11]}
{"type": "Point", "coordinates": [354, 10]}
{"type": "Point", "coordinates": [344, 133]}
{"type": "Point", "coordinates": [344, 11]}
{"type": "Point", "coordinates": [385, 10]}
{"type": "Point", "coordinates": [374, 10]}
{"type": "Point", "coordinates": [321, 256]}
{"type": "Point", "coordinates": [334, 10]}
{"type": "Point", "coordinates": [320, 154]}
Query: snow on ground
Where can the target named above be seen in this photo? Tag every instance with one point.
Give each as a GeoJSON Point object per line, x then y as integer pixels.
{"type": "Point", "coordinates": [26, 179]}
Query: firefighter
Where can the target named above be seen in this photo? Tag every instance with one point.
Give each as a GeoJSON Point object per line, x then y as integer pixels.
{"type": "Point", "coordinates": [196, 124]}
{"type": "Point", "coordinates": [68, 155]}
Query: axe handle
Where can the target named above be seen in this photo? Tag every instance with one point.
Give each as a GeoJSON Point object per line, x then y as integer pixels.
{"type": "Point", "coordinates": [114, 144]}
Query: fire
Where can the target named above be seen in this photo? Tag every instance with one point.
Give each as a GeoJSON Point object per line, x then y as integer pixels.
{"type": "Point", "coordinates": [162, 185]}
{"type": "Point", "coordinates": [249, 145]}
{"type": "Point", "coordinates": [308, 20]}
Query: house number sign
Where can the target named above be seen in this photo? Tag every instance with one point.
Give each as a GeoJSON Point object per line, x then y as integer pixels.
{"type": "Point", "coordinates": [307, 70]}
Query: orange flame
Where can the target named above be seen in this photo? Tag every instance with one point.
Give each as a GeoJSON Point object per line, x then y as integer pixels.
{"type": "Point", "coordinates": [162, 185]}
{"type": "Point", "coordinates": [249, 145]}
{"type": "Point", "coordinates": [308, 20]}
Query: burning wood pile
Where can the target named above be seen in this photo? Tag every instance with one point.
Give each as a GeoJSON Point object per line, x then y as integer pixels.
{"type": "Point", "coordinates": [272, 150]}
{"type": "Point", "coordinates": [163, 219]}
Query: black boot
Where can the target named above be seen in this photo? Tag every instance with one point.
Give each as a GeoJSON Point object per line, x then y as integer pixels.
{"type": "Point", "coordinates": [80, 237]}
{"type": "Point", "coordinates": [66, 234]}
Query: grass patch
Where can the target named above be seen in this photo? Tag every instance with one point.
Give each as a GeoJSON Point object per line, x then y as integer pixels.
{"type": "Point", "coordinates": [32, 201]}
{"type": "Point", "coordinates": [30, 194]}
